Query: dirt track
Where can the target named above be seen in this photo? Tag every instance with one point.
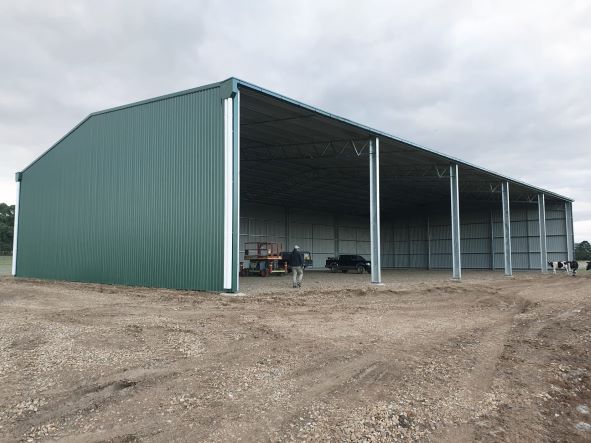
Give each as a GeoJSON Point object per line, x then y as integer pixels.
{"type": "Point", "coordinates": [488, 359]}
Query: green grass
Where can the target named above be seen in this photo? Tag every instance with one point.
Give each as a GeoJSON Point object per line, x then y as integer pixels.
{"type": "Point", "coordinates": [5, 265]}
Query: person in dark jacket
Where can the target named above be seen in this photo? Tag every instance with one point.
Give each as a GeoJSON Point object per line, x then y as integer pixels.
{"type": "Point", "coordinates": [296, 263]}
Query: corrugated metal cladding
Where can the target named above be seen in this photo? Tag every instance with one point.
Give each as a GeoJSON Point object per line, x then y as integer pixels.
{"type": "Point", "coordinates": [115, 203]}
{"type": "Point", "coordinates": [412, 242]}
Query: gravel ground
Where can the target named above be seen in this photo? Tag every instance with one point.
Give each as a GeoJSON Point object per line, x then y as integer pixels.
{"type": "Point", "coordinates": [5, 265]}
{"type": "Point", "coordinates": [420, 358]}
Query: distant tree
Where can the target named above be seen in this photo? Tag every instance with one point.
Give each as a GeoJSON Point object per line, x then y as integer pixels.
{"type": "Point", "coordinates": [583, 251]}
{"type": "Point", "coordinates": [6, 227]}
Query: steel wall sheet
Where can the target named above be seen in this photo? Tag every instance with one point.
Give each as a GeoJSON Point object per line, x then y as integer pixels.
{"type": "Point", "coordinates": [131, 196]}
{"type": "Point", "coordinates": [476, 261]}
{"type": "Point", "coordinates": [475, 245]}
{"type": "Point", "coordinates": [323, 246]}
{"type": "Point", "coordinates": [347, 247]}
{"type": "Point", "coordinates": [418, 247]}
{"type": "Point", "coordinates": [519, 244]}
{"type": "Point", "coordinates": [323, 231]}
{"type": "Point", "coordinates": [442, 232]}
{"type": "Point", "coordinates": [387, 233]}
{"type": "Point", "coordinates": [556, 227]}
{"type": "Point", "coordinates": [363, 234]}
{"type": "Point", "coordinates": [520, 260]}
{"type": "Point", "coordinates": [418, 232]}
{"type": "Point", "coordinates": [364, 248]}
{"type": "Point", "coordinates": [475, 230]}
{"type": "Point", "coordinates": [440, 246]}
{"type": "Point", "coordinates": [418, 261]}
{"type": "Point", "coordinates": [401, 261]}
{"type": "Point", "coordinates": [533, 227]}
{"type": "Point", "coordinates": [556, 256]}
{"type": "Point", "coordinates": [557, 244]}
{"type": "Point", "coordinates": [534, 259]}
{"type": "Point", "coordinates": [387, 260]}
{"type": "Point", "coordinates": [518, 228]}
{"type": "Point", "coordinates": [441, 261]}
{"type": "Point", "coordinates": [301, 230]}
{"type": "Point", "coordinates": [387, 248]}
{"type": "Point", "coordinates": [347, 233]}
{"type": "Point", "coordinates": [401, 233]}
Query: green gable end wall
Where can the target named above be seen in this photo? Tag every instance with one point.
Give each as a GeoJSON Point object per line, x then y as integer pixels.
{"type": "Point", "coordinates": [131, 196]}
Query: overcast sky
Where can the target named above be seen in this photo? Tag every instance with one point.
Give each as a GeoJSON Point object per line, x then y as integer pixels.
{"type": "Point", "coordinates": [504, 85]}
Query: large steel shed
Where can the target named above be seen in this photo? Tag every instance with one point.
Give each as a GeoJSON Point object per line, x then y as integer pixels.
{"type": "Point", "coordinates": [165, 193]}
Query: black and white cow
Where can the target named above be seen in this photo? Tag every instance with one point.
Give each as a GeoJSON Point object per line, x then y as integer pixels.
{"type": "Point", "coordinates": [568, 266]}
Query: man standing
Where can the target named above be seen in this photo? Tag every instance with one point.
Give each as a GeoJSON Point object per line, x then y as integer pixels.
{"type": "Point", "coordinates": [296, 262]}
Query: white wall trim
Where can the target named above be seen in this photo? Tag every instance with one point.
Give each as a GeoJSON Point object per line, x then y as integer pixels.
{"type": "Point", "coordinates": [228, 190]}
{"type": "Point", "coordinates": [15, 239]}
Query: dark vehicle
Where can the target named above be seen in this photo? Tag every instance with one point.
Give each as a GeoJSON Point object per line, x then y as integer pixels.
{"type": "Point", "coordinates": [286, 255]}
{"type": "Point", "coordinates": [344, 263]}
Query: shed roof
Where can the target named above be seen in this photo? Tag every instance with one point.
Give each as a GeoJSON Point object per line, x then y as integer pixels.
{"type": "Point", "coordinates": [318, 130]}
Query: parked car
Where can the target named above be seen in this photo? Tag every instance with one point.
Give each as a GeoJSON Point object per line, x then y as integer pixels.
{"type": "Point", "coordinates": [345, 263]}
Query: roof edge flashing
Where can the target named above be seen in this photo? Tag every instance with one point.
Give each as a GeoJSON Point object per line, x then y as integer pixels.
{"type": "Point", "coordinates": [229, 88]}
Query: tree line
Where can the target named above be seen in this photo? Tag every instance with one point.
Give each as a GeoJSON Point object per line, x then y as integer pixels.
{"type": "Point", "coordinates": [583, 250]}
{"type": "Point", "coordinates": [6, 228]}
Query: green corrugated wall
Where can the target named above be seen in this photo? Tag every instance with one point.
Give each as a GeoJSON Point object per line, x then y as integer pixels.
{"type": "Point", "coordinates": [132, 196]}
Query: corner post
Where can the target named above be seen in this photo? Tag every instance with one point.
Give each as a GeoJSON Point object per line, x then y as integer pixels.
{"type": "Point", "coordinates": [455, 222]}
{"type": "Point", "coordinates": [374, 209]}
{"type": "Point", "coordinates": [231, 110]}
{"type": "Point", "coordinates": [543, 241]}
{"type": "Point", "coordinates": [506, 229]}
{"type": "Point", "coordinates": [236, 190]}
{"type": "Point", "coordinates": [18, 178]}
{"type": "Point", "coordinates": [570, 240]}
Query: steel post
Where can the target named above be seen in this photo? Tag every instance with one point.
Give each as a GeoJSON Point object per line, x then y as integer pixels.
{"type": "Point", "coordinates": [428, 243]}
{"type": "Point", "coordinates": [492, 241]}
{"type": "Point", "coordinates": [543, 241]}
{"type": "Point", "coordinates": [16, 212]}
{"type": "Point", "coordinates": [374, 209]}
{"type": "Point", "coordinates": [455, 222]}
{"type": "Point", "coordinates": [506, 229]}
{"type": "Point", "coordinates": [570, 241]}
{"type": "Point", "coordinates": [236, 192]}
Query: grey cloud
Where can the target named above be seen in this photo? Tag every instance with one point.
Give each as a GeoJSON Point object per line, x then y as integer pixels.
{"type": "Point", "coordinates": [503, 85]}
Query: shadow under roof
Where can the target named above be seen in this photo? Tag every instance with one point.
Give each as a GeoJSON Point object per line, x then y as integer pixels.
{"type": "Point", "coordinates": [287, 145]}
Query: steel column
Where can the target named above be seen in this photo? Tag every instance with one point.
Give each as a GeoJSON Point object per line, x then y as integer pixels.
{"type": "Point", "coordinates": [228, 192]}
{"type": "Point", "coordinates": [570, 242]}
{"type": "Point", "coordinates": [15, 237]}
{"type": "Point", "coordinates": [543, 241]}
{"type": "Point", "coordinates": [428, 243]}
{"type": "Point", "coordinates": [455, 222]}
{"type": "Point", "coordinates": [374, 209]}
{"type": "Point", "coordinates": [336, 235]}
{"type": "Point", "coordinates": [236, 191]}
{"type": "Point", "coordinates": [506, 229]}
{"type": "Point", "coordinates": [492, 241]}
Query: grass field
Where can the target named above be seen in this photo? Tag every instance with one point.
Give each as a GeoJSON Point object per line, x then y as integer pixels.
{"type": "Point", "coordinates": [5, 265]}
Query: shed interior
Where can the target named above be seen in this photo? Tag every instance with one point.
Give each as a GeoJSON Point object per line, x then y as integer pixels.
{"type": "Point", "coordinates": [304, 178]}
